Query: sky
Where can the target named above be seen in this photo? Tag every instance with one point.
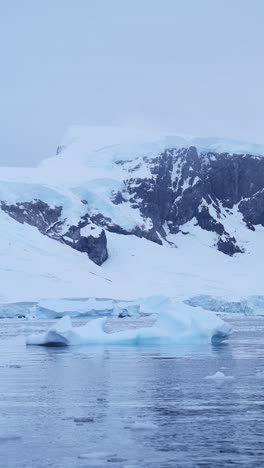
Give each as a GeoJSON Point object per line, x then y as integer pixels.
{"type": "Point", "coordinates": [187, 66]}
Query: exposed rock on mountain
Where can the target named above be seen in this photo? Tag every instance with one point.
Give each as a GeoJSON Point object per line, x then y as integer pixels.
{"type": "Point", "coordinates": [85, 237]}
{"type": "Point", "coordinates": [150, 191]}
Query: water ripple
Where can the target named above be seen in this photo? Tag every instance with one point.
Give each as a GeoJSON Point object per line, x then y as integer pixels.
{"type": "Point", "coordinates": [131, 407]}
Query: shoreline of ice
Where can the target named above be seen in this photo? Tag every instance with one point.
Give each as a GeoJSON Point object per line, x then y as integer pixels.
{"type": "Point", "coordinates": [91, 307]}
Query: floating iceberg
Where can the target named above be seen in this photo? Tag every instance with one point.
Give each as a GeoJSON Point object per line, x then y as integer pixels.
{"type": "Point", "coordinates": [142, 426]}
{"type": "Point", "coordinates": [220, 377]}
{"type": "Point", "coordinates": [176, 323]}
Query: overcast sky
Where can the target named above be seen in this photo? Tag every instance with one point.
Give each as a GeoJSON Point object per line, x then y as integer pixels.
{"type": "Point", "coordinates": [189, 66]}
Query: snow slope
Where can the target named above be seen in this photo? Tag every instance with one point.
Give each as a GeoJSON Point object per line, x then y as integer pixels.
{"type": "Point", "coordinates": [33, 266]}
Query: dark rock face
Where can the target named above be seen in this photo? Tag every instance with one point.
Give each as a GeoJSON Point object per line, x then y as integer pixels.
{"type": "Point", "coordinates": [185, 185]}
{"type": "Point", "coordinates": [253, 209]}
{"type": "Point", "coordinates": [49, 222]}
{"type": "Point", "coordinates": [36, 213]}
{"type": "Point", "coordinates": [94, 246]}
{"type": "Point", "coordinates": [207, 222]}
{"type": "Point", "coordinates": [229, 246]}
{"type": "Point", "coordinates": [234, 177]}
{"type": "Point", "coordinates": [225, 244]}
{"type": "Point", "coordinates": [179, 186]}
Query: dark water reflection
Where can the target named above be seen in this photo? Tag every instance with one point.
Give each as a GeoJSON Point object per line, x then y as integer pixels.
{"type": "Point", "coordinates": [131, 407]}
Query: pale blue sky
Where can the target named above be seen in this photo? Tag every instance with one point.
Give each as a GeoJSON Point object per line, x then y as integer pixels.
{"type": "Point", "coordinates": [189, 66]}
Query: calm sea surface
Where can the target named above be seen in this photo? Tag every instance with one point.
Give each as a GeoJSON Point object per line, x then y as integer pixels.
{"type": "Point", "coordinates": [131, 407]}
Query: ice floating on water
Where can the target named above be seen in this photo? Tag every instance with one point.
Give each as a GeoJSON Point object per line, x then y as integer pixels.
{"type": "Point", "coordinates": [176, 323]}
{"type": "Point", "coordinates": [220, 377]}
{"type": "Point", "coordinates": [143, 426]}
{"type": "Point", "coordinates": [95, 456]}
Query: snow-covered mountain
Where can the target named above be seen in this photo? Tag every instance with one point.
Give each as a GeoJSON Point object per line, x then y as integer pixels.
{"type": "Point", "coordinates": [124, 214]}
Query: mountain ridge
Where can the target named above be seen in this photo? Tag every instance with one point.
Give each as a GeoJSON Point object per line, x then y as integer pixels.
{"type": "Point", "coordinates": [83, 195]}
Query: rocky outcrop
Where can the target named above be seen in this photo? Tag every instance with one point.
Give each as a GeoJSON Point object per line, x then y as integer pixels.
{"type": "Point", "coordinates": [185, 186]}
{"type": "Point", "coordinates": [50, 222]}
{"type": "Point", "coordinates": [36, 213]}
{"type": "Point", "coordinates": [253, 209]}
{"type": "Point", "coordinates": [95, 245]}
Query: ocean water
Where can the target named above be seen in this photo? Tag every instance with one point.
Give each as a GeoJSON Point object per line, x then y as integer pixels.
{"type": "Point", "coordinates": [132, 407]}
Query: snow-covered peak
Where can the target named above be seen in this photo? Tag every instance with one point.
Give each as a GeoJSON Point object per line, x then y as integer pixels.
{"type": "Point", "coordinates": [117, 140]}
{"type": "Point", "coordinates": [92, 152]}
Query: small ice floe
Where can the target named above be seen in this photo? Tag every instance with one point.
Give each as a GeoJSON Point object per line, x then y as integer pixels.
{"type": "Point", "coordinates": [96, 456]}
{"type": "Point", "coordinates": [220, 377]}
{"type": "Point", "coordinates": [142, 426]}
{"type": "Point", "coordinates": [260, 375]}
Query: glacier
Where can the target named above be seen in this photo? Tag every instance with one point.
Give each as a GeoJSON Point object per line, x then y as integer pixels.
{"type": "Point", "coordinates": [76, 308]}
